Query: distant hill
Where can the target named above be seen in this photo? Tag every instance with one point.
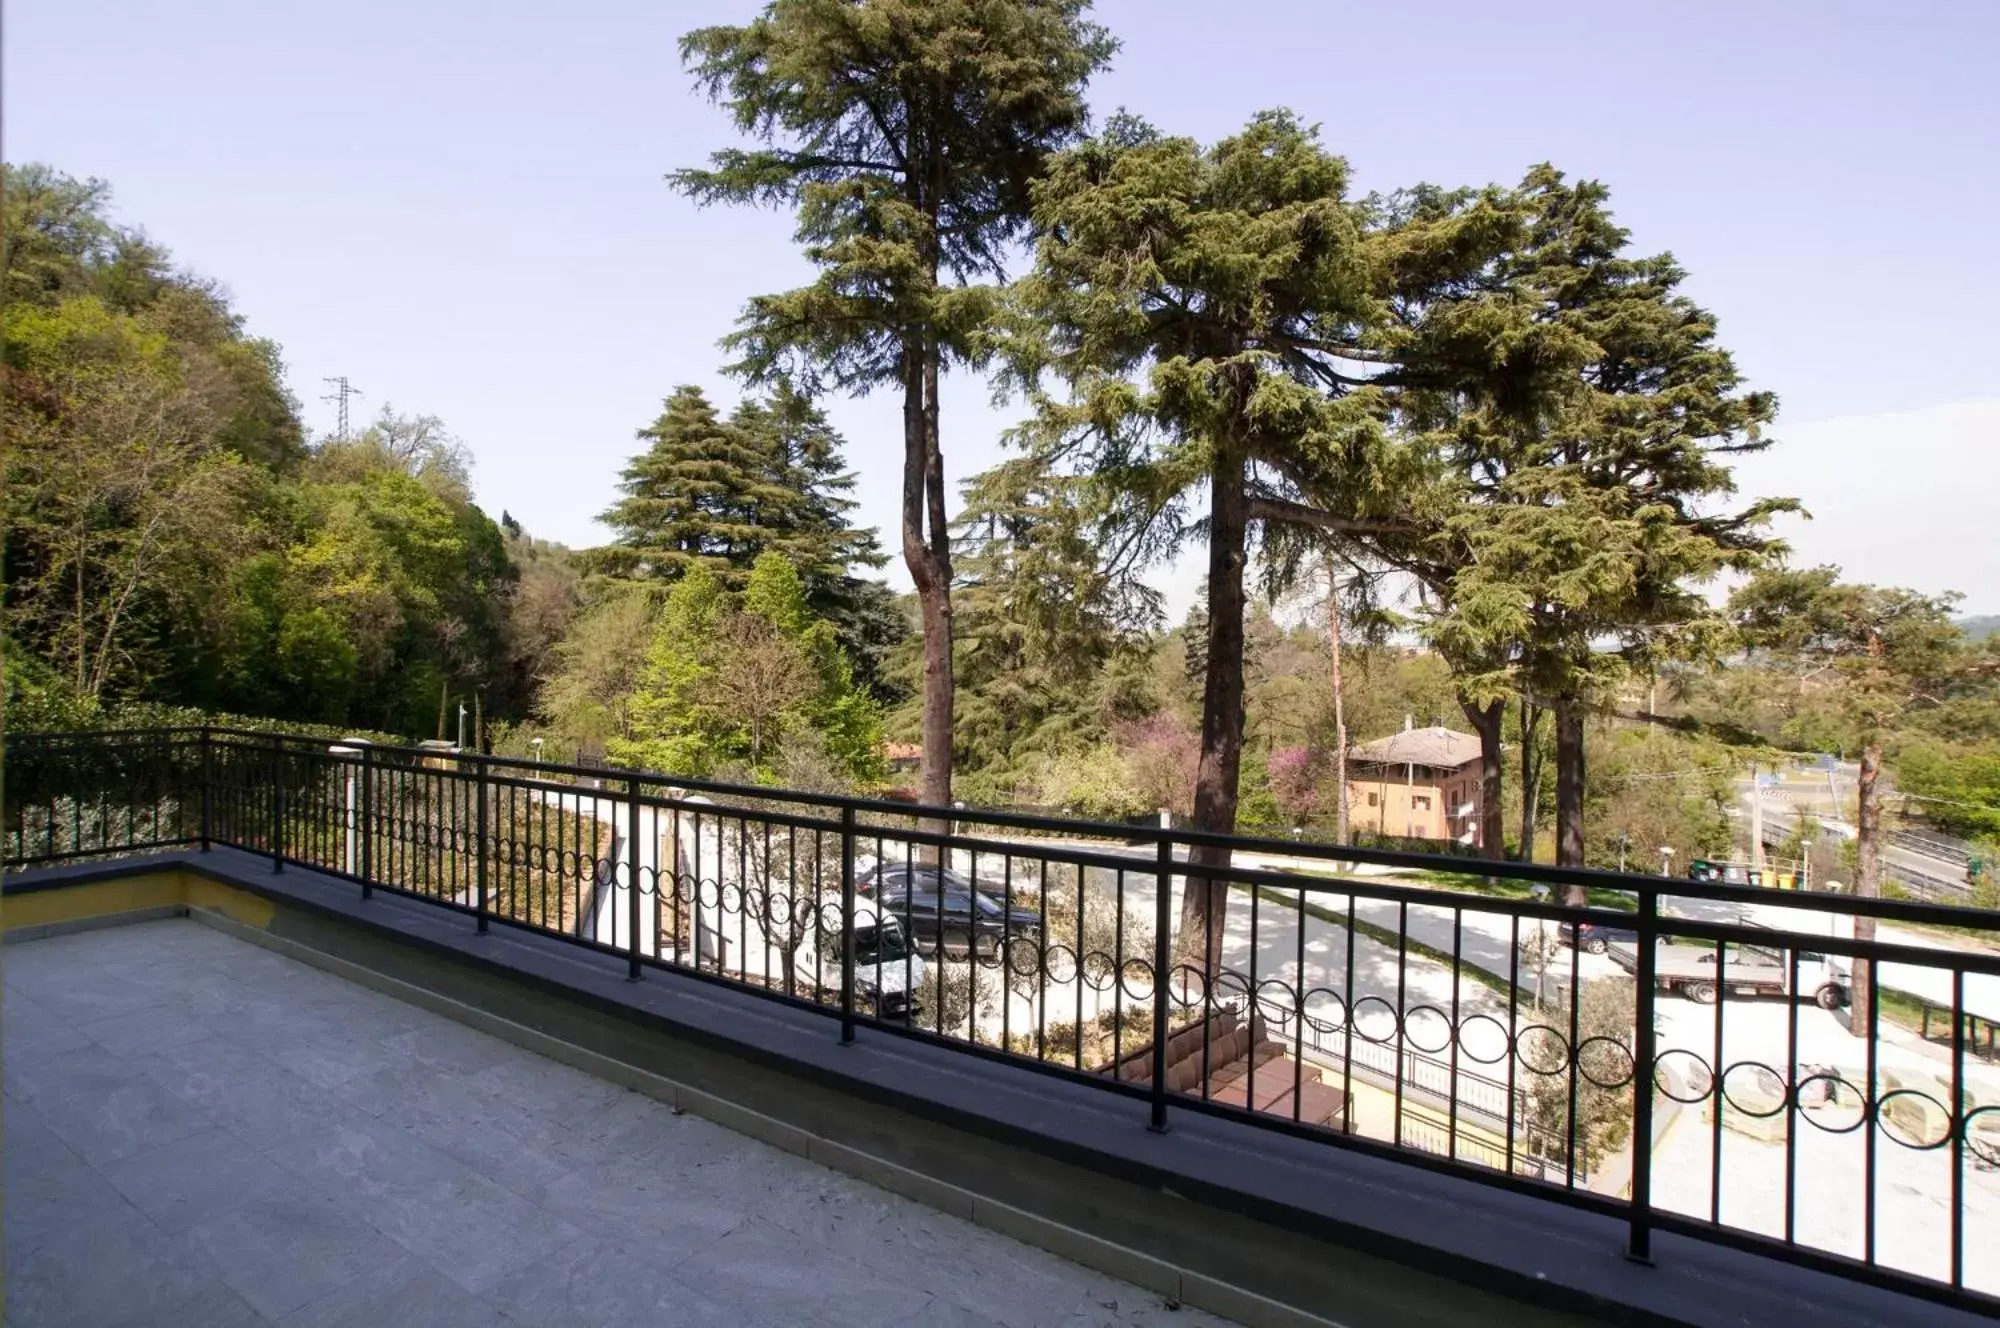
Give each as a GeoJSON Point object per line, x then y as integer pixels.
{"type": "Point", "coordinates": [1978, 629]}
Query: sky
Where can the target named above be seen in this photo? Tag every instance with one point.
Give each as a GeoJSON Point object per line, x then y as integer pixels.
{"type": "Point", "coordinates": [461, 207]}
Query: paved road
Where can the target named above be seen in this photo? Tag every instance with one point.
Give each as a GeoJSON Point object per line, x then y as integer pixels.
{"type": "Point", "coordinates": [1784, 805]}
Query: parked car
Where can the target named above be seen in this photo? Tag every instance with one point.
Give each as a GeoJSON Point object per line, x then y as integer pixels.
{"type": "Point", "coordinates": [938, 907]}
{"type": "Point", "coordinates": [1594, 937]}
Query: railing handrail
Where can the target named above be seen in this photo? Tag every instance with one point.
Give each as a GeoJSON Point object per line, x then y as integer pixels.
{"type": "Point", "coordinates": [1921, 912]}
{"type": "Point", "coordinates": [283, 797]}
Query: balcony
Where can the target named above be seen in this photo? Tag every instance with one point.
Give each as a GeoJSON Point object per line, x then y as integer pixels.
{"type": "Point", "coordinates": [202, 1132]}
{"type": "Point", "coordinates": [1380, 1089]}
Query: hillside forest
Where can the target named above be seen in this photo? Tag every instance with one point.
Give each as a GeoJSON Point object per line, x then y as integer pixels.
{"type": "Point", "coordinates": [1455, 455]}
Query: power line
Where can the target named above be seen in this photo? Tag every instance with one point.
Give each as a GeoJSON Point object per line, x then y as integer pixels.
{"type": "Point", "coordinates": [342, 390]}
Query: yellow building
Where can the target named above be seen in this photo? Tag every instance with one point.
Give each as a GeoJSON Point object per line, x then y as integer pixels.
{"type": "Point", "coordinates": [1417, 784]}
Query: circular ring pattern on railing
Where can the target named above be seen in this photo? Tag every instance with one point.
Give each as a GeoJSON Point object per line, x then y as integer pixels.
{"type": "Point", "coordinates": [1605, 1061]}
{"type": "Point", "coordinates": [1894, 1109]}
{"type": "Point", "coordinates": [1285, 1003]}
{"type": "Point", "coordinates": [1188, 985]}
{"type": "Point", "coordinates": [1099, 970]}
{"type": "Point", "coordinates": [1437, 1023]}
{"type": "Point", "coordinates": [1982, 1136]}
{"type": "Point", "coordinates": [1318, 1018]}
{"type": "Point", "coordinates": [1059, 962]}
{"type": "Point", "coordinates": [1135, 979]}
{"type": "Point", "coordinates": [1663, 1078]}
{"type": "Point", "coordinates": [1361, 1008]}
{"type": "Point", "coordinates": [1542, 1050]}
{"type": "Point", "coordinates": [1506, 1043]}
{"type": "Point", "coordinates": [1762, 1081]}
{"type": "Point", "coordinates": [1836, 1094]}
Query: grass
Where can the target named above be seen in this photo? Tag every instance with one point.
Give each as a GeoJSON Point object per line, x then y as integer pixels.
{"type": "Point", "coordinates": [1389, 937]}
{"type": "Point", "coordinates": [1473, 884]}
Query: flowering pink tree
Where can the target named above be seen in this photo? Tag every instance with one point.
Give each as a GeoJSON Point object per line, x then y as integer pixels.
{"type": "Point", "coordinates": [1296, 775]}
{"type": "Point", "coordinates": [1161, 752]}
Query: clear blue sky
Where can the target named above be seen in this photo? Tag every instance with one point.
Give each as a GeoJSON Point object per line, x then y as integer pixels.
{"type": "Point", "coordinates": [459, 206]}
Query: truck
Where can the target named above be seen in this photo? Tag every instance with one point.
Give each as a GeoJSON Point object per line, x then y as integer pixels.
{"type": "Point", "coordinates": [1750, 969]}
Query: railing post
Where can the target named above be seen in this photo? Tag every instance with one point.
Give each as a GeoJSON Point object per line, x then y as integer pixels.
{"type": "Point", "coordinates": [278, 806]}
{"type": "Point", "coordinates": [366, 820]}
{"type": "Point", "coordinates": [479, 831]}
{"type": "Point", "coordinates": [632, 871]}
{"type": "Point", "coordinates": [207, 792]}
{"type": "Point", "coordinates": [1163, 885]}
{"type": "Point", "coordinates": [1639, 1246]}
{"type": "Point", "coordinates": [847, 926]}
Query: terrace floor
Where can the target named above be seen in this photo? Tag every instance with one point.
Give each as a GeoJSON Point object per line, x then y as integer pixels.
{"type": "Point", "coordinates": [198, 1131]}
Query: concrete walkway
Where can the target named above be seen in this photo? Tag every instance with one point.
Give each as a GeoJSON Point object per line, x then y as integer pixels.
{"type": "Point", "coordinates": [199, 1132]}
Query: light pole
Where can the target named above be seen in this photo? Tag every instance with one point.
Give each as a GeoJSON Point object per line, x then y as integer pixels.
{"type": "Point", "coordinates": [1540, 892]}
{"type": "Point", "coordinates": [461, 726]}
{"type": "Point", "coordinates": [536, 743]}
{"type": "Point", "coordinates": [1666, 861]}
{"type": "Point", "coordinates": [1624, 842]}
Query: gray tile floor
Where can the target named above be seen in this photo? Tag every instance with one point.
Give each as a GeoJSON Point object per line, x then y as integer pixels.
{"type": "Point", "coordinates": [200, 1132]}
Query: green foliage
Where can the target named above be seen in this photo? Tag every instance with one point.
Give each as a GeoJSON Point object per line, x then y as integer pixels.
{"type": "Point", "coordinates": [1866, 659]}
{"type": "Point", "coordinates": [1954, 786]}
{"type": "Point", "coordinates": [1652, 787]}
{"type": "Point", "coordinates": [172, 538]}
{"type": "Point", "coordinates": [1577, 418]}
{"type": "Point", "coordinates": [1048, 639]}
{"type": "Point", "coordinates": [697, 497]}
{"type": "Point", "coordinates": [722, 493]}
{"type": "Point", "coordinates": [726, 678]}
{"type": "Point", "coordinates": [1092, 782]}
{"type": "Point", "coordinates": [905, 135]}
{"type": "Point", "coordinates": [586, 694]}
{"type": "Point", "coordinates": [1602, 1118]}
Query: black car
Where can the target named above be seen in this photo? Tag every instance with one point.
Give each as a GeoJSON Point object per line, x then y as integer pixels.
{"type": "Point", "coordinates": [1596, 937]}
{"type": "Point", "coordinates": [938, 906]}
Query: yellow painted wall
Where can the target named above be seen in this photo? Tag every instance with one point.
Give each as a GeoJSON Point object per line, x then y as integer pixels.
{"type": "Point", "coordinates": [129, 894]}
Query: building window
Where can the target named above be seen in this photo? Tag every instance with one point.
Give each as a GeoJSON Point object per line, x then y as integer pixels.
{"type": "Point", "coordinates": [1373, 800]}
{"type": "Point", "coordinates": [1422, 803]}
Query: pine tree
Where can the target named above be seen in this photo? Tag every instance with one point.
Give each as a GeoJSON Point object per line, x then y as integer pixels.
{"type": "Point", "coordinates": [705, 492]}
{"type": "Point", "coordinates": [1210, 311]}
{"type": "Point", "coordinates": [812, 526]}
{"type": "Point", "coordinates": [906, 134]}
{"type": "Point", "coordinates": [1042, 621]}
{"type": "Point", "coordinates": [1581, 416]}
{"type": "Point", "coordinates": [1194, 637]}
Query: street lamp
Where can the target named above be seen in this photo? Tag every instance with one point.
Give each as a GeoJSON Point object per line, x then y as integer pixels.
{"type": "Point", "coordinates": [536, 743]}
{"type": "Point", "coordinates": [1624, 842]}
{"type": "Point", "coordinates": [461, 726]}
{"type": "Point", "coordinates": [1666, 861]}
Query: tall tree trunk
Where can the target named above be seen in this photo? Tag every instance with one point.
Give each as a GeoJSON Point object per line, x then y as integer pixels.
{"type": "Point", "coordinates": [1867, 882]}
{"type": "Point", "coordinates": [1485, 721]}
{"type": "Point", "coordinates": [1531, 776]}
{"type": "Point", "coordinates": [1569, 792]}
{"type": "Point", "coordinates": [927, 553]}
{"type": "Point", "coordinates": [1203, 908]}
{"type": "Point", "coordinates": [1340, 827]}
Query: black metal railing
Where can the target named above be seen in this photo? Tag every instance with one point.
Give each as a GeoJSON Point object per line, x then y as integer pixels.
{"type": "Point", "coordinates": [1447, 1026]}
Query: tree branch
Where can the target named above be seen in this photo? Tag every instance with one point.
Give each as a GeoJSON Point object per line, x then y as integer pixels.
{"type": "Point", "coordinates": [1278, 509]}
